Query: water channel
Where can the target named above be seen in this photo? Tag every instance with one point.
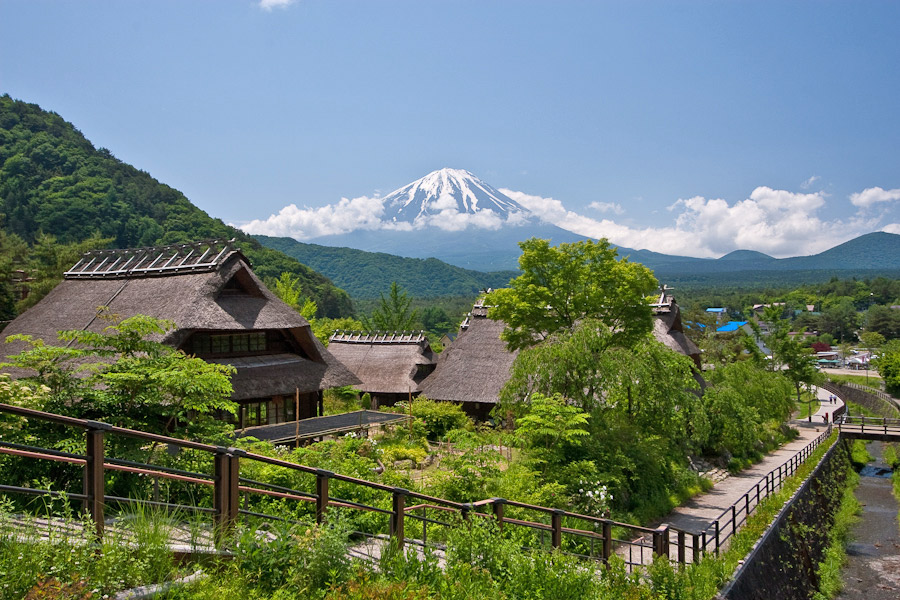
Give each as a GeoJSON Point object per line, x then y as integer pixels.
{"type": "Point", "coordinates": [873, 569]}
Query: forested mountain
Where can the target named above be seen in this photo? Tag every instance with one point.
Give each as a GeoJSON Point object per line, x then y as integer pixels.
{"type": "Point", "coordinates": [369, 274]}
{"type": "Point", "coordinates": [53, 181]}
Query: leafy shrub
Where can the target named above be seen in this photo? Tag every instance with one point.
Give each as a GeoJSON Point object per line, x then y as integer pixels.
{"type": "Point", "coordinates": [438, 417]}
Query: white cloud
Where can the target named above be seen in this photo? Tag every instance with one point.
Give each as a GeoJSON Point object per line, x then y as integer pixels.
{"type": "Point", "coordinates": [777, 222]}
{"type": "Point", "coordinates": [604, 207]}
{"type": "Point", "coordinates": [304, 223]}
{"type": "Point", "coordinates": [871, 196]}
{"type": "Point", "coordinates": [270, 4]}
{"type": "Point", "coordinates": [367, 213]}
{"type": "Point", "coordinates": [808, 183]}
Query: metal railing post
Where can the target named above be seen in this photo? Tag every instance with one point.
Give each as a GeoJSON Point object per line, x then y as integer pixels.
{"type": "Point", "coordinates": [397, 514]}
{"type": "Point", "coordinates": [717, 537]}
{"type": "Point", "coordinates": [695, 541]}
{"type": "Point", "coordinates": [681, 546]}
{"type": "Point", "coordinates": [322, 478]}
{"type": "Point", "coordinates": [94, 480]}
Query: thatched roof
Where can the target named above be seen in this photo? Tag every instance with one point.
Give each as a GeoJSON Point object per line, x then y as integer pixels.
{"type": "Point", "coordinates": [385, 362]}
{"type": "Point", "coordinates": [667, 327]}
{"type": "Point", "coordinates": [475, 367]}
{"type": "Point", "coordinates": [218, 294]}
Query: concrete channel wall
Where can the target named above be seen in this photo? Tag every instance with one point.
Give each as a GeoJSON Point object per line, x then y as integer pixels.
{"type": "Point", "coordinates": [782, 565]}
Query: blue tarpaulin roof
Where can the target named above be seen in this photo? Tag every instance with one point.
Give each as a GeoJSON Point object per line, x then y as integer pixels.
{"type": "Point", "coordinates": [731, 326]}
{"type": "Point", "coordinates": [715, 310]}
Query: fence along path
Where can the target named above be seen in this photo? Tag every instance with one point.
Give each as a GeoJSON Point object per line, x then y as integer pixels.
{"type": "Point", "coordinates": [715, 516]}
{"type": "Point", "coordinates": [404, 516]}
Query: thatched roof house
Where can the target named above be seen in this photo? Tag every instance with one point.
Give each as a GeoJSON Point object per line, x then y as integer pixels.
{"type": "Point", "coordinates": [390, 365]}
{"type": "Point", "coordinates": [474, 368]}
{"type": "Point", "coordinates": [223, 314]}
{"type": "Point", "coordinates": [667, 327]}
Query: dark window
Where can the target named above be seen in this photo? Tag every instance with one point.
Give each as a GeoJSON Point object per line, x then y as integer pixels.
{"type": "Point", "coordinates": [221, 344]}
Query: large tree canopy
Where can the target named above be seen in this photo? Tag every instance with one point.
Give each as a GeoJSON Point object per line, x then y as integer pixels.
{"type": "Point", "coordinates": [562, 285]}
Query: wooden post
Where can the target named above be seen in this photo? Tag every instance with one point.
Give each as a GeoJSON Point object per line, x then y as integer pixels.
{"type": "Point", "coordinates": [607, 541]}
{"type": "Point", "coordinates": [225, 493]}
{"type": "Point", "coordinates": [556, 524]}
{"type": "Point", "coordinates": [322, 477]}
{"type": "Point", "coordinates": [399, 511]}
{"type": "Point", "coordinates": [297, 417]}
{"type": "Point", "coordinates": [95, 485]}
{"type": "Point", "coordinates": [499, 510]}
{"type": "Point", "coordinates": [661, 540]}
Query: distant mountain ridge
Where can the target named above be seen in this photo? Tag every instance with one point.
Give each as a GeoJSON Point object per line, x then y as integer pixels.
{"type": "Point", "coordinates": [366, 274]}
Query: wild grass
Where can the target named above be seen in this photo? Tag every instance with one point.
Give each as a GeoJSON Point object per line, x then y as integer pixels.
{"type": "Point", "coordinates": [829, 571]}
{"type": "Point", "coordinates": [58, 554]}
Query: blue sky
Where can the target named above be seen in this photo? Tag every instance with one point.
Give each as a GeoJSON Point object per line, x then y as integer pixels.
{"type": "Point", "coordinates": [684, 127]}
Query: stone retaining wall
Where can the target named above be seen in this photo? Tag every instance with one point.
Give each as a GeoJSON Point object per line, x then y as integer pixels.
{"type": "Point", "coordinates": [782, 565]}
{"type": "Point", "coordinates": [878, 402]}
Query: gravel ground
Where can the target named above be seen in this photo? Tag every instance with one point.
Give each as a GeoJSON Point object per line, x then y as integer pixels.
{"type": "Point", "coordinates": [873, 569]}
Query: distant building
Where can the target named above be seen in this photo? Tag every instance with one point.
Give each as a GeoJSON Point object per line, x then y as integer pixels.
{"type": "Point", "coordinates": [731, 326]}
{"type": "Point", "coordinates": [223, 313]}
{"type": "Point", "coordinates": [719, 313]}
{"type": "Point", "coordinates": [389, 365]}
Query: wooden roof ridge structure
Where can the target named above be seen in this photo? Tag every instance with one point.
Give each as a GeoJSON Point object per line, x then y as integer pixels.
{"type": "Point", "coordinates": [215, 294]}
{"type": "Point", "coordinates": [378, 337]}
{"type": "Point", "coordinates": [668, 328]}
{"type": "Point", "coordinates": [205, 255]}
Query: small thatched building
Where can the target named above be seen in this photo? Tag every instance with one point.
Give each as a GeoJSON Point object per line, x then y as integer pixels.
{"type": "Point", "coordinates": [390, 365]}
{"type": "Point", "coordinates": [474, 368]}
{"type": "Point", "coordinates": [223, 314]}
{"type": "Point", "coordinates": [667, 327]}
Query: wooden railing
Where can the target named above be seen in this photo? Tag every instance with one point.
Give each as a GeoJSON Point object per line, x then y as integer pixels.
{"type": "Point", "coordinates": [411, 517]}
{"type": "Point", "coordinates": [863, 426]}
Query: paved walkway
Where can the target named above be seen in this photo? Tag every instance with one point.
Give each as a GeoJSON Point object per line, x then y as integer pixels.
{"type": "Point", "coordinates": [699, 512]}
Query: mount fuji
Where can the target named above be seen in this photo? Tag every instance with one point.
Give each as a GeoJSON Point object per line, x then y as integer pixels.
{"type": "Point", "coordinates": [445, 194]}
{"type": "Point", "coordinates": [452, 215]}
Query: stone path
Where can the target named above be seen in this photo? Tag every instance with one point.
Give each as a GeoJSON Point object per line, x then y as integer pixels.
{"type": "Point", "coordinates": [699, 512]}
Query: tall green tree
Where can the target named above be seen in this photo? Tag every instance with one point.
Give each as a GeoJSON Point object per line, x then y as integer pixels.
{"type": "Point", "coordinates": [394, 313]}
{"type": "Point", "coordinates": [789, 355]}
{"type": "Point", "coordinates": [288, 288]}
{"type": "Point", "coordinates": [562, 285]}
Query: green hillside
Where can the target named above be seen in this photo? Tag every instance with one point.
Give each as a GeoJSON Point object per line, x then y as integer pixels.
{"type": "Point", "coordinates": [53, 181]}
{"type": "Point", "coordinates": [369, 274]}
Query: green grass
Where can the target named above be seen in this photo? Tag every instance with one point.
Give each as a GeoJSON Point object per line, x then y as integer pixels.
{"type": "Point", "coordinates": [874, 380]}
{"type": "Point", "coordinates": [829, 571]}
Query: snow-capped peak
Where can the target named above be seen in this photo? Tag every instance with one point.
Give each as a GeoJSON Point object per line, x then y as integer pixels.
{"type": "Point", "coordinates": [447, 192]}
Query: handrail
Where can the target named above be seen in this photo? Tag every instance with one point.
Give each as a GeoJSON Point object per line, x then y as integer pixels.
{"type": "Point", "coordinates": [716, 535]}
{"type": "Point", "coordinates": [227, 486]}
